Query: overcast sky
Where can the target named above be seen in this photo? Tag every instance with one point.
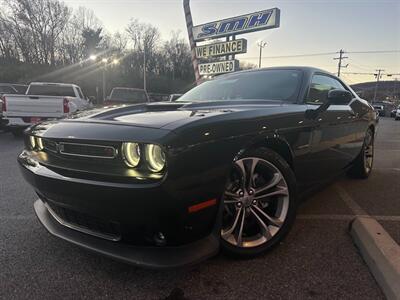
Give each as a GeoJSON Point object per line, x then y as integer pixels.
{"type": "Point", "coordinates": [316, 26]}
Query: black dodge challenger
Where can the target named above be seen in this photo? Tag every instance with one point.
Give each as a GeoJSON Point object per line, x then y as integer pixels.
{"type": "Point", "coordinates": [224, 166]}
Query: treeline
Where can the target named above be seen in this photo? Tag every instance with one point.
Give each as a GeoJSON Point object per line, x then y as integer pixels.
{"type": "Point", "coordinates": [46, 40]}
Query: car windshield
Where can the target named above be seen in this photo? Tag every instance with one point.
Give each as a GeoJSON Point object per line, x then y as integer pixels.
{"type": "Point", "coordinates": [128, 95]}
{"type": "Point", "coordinates": [261, 85]}
{"type": "Point", "coordinates": [51, 90]}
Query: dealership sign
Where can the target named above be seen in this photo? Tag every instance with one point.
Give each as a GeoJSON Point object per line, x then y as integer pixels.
{"type": "Point", "coordinates": [219, 67]}
{"type": "Point", "coordinates": [261, 20]}
{"type": "Point", "coordinates": [221, 49]}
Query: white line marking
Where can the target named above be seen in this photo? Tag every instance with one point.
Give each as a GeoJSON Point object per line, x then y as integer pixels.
{"type": "Point", "coordinates": [19, 217]}
{"type": "Point", "coordinates": [346, 217]}
{"type": "Point", "coordinates": [350, 202]}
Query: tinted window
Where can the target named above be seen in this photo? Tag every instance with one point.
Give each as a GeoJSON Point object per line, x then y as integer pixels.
{"type": "Point", "coordinates": [128, 95]}
{"type": "Point", "coordinates": [261, 85]}
{"type": "Point", "coordinates": [319, 88]}
{"type": "Point", "coordinates": [7, 90]}
{"type": "Point", "coordinates": [51, 90]}
{"type": "Point", "coordinates": [21, 89]}
{"type": "Point", "coordinates": [80, 93]}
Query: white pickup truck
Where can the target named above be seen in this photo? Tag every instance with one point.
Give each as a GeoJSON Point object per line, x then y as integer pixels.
{"type": "Point", "coordinates": [42, 101]}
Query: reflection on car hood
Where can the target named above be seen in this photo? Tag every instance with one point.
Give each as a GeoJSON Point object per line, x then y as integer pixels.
{"type": "Point", "coordinates": [161, 115]}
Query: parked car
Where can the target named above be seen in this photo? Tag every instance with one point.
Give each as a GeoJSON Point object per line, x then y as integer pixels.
{"type": "Point", "coordinates": [42, 101]}
{"type": "Point", "coordinates": [156, 97]}
{"type": "Point", "coordinates": [121, 95]}
{"type": "Point", "coordinates": [174, 97]}
{"type": "Point", "coordinates": [6, 88]}
{"type": "Point", "coordinates": [397, 114]}
{"type": "Point", "coordinates": [380, 109]}
{"type": "Point", "coordinates": [167, 184]}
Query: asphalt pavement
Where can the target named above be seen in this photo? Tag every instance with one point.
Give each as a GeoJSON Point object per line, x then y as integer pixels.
{"type": "Point", "coordinates": [317, 260]}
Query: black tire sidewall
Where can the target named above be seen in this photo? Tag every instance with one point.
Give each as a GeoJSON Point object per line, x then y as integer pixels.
{"type": "Point", "coordinates": [284, 168]}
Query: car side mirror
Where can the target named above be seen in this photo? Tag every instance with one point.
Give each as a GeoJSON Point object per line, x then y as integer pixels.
{"type": "Point", "coordinates": [339, 97]}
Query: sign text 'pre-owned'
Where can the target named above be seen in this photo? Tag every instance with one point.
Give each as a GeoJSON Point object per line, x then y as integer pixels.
{"type": "Point", "coordinates": [246, 23]}
{"type": "Point", "coordinates": [219, 67]}
{"type": "Point", "coordinates": [221, 49]}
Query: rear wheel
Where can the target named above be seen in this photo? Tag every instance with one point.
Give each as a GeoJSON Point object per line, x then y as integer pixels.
{"type": "Point", "coordinates": [259, 203]}
{"type": "Point", "coordinates": [362, 166]}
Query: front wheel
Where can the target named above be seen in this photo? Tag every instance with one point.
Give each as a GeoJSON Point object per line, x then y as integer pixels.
{"type": "Point", "coordinates": [259, 203]}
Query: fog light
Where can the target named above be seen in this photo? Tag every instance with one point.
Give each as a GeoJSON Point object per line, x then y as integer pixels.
{"type": "Point", "coordinates": [160, 239]}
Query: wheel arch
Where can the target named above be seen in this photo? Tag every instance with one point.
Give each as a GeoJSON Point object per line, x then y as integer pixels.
{"type": "Point", "coordinates": [277, 144]}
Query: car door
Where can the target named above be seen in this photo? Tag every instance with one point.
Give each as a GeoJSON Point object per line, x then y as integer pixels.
{"type": "Point", "coordinates": [334, 132]}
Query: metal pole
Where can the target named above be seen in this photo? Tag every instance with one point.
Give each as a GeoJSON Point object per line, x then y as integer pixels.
{"type": "Point", "coordinates": [260, 44]}
{"type": "Point", "coordinates": [378, 77]}
{"type": "Point", "coordinates": [189, 26]}
{"type": "Point", "coordinates": [144, 68]}
{"type": "Point", "coordinates": [104, 83]}
{"type": "Point", "coordinates": [340, 58]}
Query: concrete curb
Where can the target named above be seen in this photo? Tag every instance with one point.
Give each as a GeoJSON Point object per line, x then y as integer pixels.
{"type": "Point", "coordinates": [380, 252]}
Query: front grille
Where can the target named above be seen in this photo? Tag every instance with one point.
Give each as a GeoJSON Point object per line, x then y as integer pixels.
{"type": "Point", "coordinates": [50, 145]}
{"type": "Point", "coordinates": [87, 150]}
{"type": "Point", "coordinates": [84, 223]}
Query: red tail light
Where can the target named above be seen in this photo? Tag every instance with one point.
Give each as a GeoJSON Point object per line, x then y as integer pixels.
{"type": "Point", "coordinates": [66, 105]}
{"type": "Point", "coordinates": [4, 106]}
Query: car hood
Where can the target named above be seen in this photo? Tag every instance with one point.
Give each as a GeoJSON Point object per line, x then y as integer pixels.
{"type": "Point", "coordinates": [169, 114]}
{"type": "Point", "coordinates": [154, 120]}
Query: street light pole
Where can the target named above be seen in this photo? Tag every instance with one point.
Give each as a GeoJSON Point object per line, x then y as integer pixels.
{"type": "Point", "coordinates": [104, 60]}
{"type": "Point", "coordinates": [260, 44]}
{"type": "Point", "coordinates": [144, 68]}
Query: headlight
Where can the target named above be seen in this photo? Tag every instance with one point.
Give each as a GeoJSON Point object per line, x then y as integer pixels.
{"type": "Point", "coordinates": [155, 157]}
{"type": "Point", "coordinates": [32, 142]}
{"type": "Point", "coordinates": [39, 143]}
{"type": "Point", "coordinates": [131, 154]}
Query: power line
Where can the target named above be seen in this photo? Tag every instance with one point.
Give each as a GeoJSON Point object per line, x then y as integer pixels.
{"type": "Point", "coordinates": [322, 54]}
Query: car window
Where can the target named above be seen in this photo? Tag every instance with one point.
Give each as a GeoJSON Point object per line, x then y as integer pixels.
{"type": "Point", "coordinates": [51, 90]}
{"type": "Point", "coordinates": [6, 90]}
{"type": "Point", "coordinates": [319, 88]}
{"type": "Point", "coordinates": [80, 93]}
{"type": "Point", "coordinates": [263, 85]}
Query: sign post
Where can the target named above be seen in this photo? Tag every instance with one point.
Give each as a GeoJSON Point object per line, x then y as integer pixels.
{"type": "Point", "coordinates": [189, 26]}
{"type": "Point", "coordinates": [228, 28]}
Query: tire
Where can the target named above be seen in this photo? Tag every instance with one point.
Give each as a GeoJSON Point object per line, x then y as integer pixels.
{"type": "Point", "coordinates": [396, 119]}
{"type": "Point", "coordinates": [266, 219]}
{"type": "Point", "coordinates": [362, 166]}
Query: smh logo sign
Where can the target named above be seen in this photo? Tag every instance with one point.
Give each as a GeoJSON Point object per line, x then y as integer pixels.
{"type": "Point", "coordinates": [247, 23]}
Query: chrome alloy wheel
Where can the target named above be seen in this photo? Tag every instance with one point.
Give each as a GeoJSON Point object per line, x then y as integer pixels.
{"type": "Point", "coordinates": [256, 203]}
{"type": "Point", "coordinates": [368, 152]}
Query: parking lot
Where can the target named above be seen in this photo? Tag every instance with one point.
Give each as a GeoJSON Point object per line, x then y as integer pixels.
{"type": "Point", "coordinates": [317, 260]}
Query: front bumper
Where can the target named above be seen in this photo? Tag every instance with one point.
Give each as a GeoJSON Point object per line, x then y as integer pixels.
{"type": "Point", "coordinates": [150, 257]}
{"type": "Point", "coordinates": [137, 212]}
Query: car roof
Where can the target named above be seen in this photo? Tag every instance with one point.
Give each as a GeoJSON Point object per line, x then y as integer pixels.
{"type": "Point", "coordinates": [306, 69]}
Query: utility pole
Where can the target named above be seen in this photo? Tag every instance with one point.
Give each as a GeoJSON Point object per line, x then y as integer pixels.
{"type": "Point", "coordinates": [340, 58]}
{"type": "Point", "coordinates": [378, 76]}
{"type": "Point", "coordinates": [260, 44]}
